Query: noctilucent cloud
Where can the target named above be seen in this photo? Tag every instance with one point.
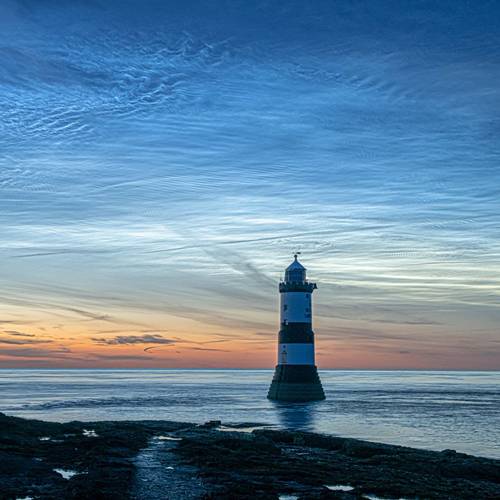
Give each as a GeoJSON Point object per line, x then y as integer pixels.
{"type": "Point", "coordinates": [161, 161]}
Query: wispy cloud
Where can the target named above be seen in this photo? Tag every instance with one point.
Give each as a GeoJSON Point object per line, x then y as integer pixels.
{"type": "Point", "coordinates": [134, 339]}
{"type": "Point", "coordinates": [118, 357]}
{"type": "Point", "coordinates": [37, 352]}
{"type": "Point", "coordinates": [207, 349]}
{"type": "Point", "coordinates": [15, 333]}
{"type": "Point", "coordinates": [23, 341]}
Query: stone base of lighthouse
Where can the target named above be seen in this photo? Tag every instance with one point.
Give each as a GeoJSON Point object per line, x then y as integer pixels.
{"type": "Point", "coordinates": [296, 383]}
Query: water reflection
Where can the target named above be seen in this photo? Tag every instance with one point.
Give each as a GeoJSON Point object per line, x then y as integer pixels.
{"type": "Point", "coordinates": [300, 416]}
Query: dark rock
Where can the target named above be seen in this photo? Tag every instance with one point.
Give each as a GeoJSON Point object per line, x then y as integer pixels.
{"type": "Point", "coordinates": [211, 424]}
{"type": "Point", "coordinates": [231, 465]}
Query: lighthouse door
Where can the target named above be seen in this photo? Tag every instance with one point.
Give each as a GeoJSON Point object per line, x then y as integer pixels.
{"type": "Point", "coordinates": [283, 355]}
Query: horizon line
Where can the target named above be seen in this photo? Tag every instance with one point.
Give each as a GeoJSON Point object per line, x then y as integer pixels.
{"type": "Point", "coordinates": [458, 370]}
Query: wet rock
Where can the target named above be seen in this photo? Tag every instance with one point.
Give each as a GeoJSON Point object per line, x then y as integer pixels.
{"type": "Point", "coordinates": [211, 424]}
{"type": "Point", "coordinates": [104, 463]}
{"type": "Point", "coordinates": [449, 453]}
{"type": "Point", "coordinates": [268, 463]}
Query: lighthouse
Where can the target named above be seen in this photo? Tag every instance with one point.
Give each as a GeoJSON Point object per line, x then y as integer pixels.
{"type": "Point", "coordinates": [296, 376]}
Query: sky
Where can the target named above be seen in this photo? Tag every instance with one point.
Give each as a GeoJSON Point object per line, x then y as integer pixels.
{"type": "Point", "coordinates": [161, 161]}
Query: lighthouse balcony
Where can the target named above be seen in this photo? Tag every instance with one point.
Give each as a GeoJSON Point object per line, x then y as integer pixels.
{"type": "Point", "coordinates": [297, 286]}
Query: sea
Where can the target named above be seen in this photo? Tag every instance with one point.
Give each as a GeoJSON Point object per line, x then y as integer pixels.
{"type": "Point", "coordinates": [424, 409]}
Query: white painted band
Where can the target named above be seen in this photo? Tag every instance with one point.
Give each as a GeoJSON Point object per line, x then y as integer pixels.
{"type": "Point", "coordinates": [296, 307]}
{"type": "Point", "coordinates": [296, 354]}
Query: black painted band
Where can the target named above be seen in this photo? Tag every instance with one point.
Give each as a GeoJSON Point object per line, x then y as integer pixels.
{"type": "Point", "coordinates": [300, 374]}
{"type": "Point", "coordinates": [296, 333]}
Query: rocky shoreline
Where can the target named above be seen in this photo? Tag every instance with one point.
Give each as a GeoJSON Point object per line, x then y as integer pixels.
{"type": "Point", "coordinates": [172, 460]}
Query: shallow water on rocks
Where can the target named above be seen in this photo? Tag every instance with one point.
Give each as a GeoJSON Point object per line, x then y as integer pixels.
{"type": "Point", "coordinates": [66, 474]}
{"type": "Point", "coordinates": [158, 470]}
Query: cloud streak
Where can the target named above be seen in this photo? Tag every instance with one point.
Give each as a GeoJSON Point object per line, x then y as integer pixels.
{"type": "Point", "coordinates": [15, 333]}
{"type": "Point", "coordinates": [10, 341]}
{"type": "Point", "coordinates": [134, 339]}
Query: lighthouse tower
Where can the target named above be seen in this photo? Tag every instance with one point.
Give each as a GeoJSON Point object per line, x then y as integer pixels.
{"type": "Point", "coordinates": [296, 376]}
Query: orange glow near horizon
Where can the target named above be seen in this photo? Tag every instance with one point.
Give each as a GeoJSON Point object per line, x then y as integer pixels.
{"type": "Point", "coordinates": [186, 343]}
{"type": "Point", "coordinates": [231, 321]}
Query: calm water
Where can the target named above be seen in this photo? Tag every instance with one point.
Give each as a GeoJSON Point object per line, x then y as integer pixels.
{"type": "Point", "coordinates": [435, 410]}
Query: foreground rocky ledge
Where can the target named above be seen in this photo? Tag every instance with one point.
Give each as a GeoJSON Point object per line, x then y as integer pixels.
{"type": "Point", "coordinates": [172, 460]}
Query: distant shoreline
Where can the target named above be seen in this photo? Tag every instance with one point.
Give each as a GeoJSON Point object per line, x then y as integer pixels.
{"type": "Point", "coordinates": [126, 459]}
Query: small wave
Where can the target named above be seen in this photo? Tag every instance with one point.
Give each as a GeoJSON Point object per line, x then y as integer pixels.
{"type": "Point", "coordinates": [151, 402]}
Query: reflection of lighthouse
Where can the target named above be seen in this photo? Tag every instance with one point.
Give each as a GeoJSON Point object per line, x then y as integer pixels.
{"type": "Point", "coordinates": [296, 377]}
